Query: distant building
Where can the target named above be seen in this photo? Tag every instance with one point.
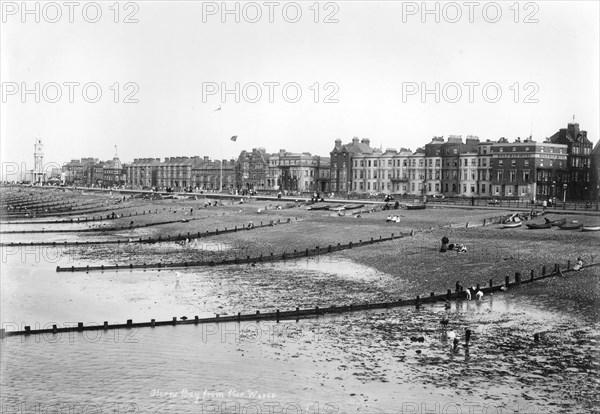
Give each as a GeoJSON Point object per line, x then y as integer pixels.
{"type": "Point", "coordinates": [579, 147]}
{"type": "Point", "coordinates": [595, 174]}
{"type": "Point", "coordinates": [528, 169]}
{"type": "Point", "coordinates": [433, 166]}
{"type": "Point", "coordinates": [252, 169]}
{"type": "Point", "coordinates": [484, 168]}
{"type": "Point", "coordinates": [341, 163]}
{"type": "Point", "coordinates": [142, 173]}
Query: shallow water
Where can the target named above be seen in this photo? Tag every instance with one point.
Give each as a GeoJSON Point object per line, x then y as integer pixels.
{"type": "Point", "coordinates": [355, 362]}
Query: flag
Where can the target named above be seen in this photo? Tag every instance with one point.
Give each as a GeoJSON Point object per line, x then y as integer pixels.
{"type": "Point", "coordinates": [233, 138]}
{"type": "Point", "coordinates": [218, 109]}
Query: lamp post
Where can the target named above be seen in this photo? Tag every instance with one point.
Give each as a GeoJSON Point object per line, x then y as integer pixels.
{"type": "Point", "coordinates": [564, 194]}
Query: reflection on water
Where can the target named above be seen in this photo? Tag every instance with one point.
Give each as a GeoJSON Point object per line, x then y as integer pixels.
{"type": "Point", "coordinates": [379, 361]}
{"type": "Point", "coordinates": [367, 361]}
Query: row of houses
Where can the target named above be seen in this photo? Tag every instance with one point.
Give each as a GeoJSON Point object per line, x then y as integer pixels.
{"type": "Point", "coordinates": [563, 166]}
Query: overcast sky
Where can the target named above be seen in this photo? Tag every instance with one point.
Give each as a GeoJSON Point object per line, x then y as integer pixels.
{"type": "Point", "coordinates": [370, 67]}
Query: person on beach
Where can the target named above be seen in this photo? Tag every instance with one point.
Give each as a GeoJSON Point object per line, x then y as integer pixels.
{"type": "Point", "coordinates": [579, 265]}
{"type": "Point", "coordinates": [445, 241]}
{"type": "Point", "coordinates": [479, 294]}
{"type": "Point", "coordinates": [468, 292]}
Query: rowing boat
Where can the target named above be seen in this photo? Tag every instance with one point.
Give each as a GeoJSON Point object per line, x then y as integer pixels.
{"type": "Point", "coordinates": [590, 228]}
{"type": "Point", "coordinates": [570, 226]}
{"type": "Point", "coordinates": [416, 207]}
{"type": "Point", "coordinates": [558, 222]}
{"type": "Point", "coordinates": [354, 206]}
{"type": "Point", "coordinates": [512, 225]}
{"type": "Point", "coordinates": [534, 226]}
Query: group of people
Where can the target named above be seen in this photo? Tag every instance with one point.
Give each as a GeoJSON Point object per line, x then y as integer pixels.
{"type": "Point", "coordinates": [446, 245]}
{"type": "Point", "coordinates": [394, 219]}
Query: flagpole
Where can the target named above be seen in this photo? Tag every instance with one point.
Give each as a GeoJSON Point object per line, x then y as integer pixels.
{"type": "Point", "coordinates": [221, 141]}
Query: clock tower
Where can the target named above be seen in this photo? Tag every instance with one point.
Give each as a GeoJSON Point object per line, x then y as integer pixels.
{"type": "Point", "coordinates": [38, 162]}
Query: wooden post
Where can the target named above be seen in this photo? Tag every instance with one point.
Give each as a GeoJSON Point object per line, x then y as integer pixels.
{"type": "Point", "coordinates": [449, 294]}
{"type": "Point", "coordinates": [517, 278]}
{"type": "Point", "coordinates": [507, 280]}
{"type": "Point", "coordinates": [543, 270]}
{"type": "Point", "coordinates": [418, 302]}
{"type": "Point", "coordinates": [491, 283]}
{"type": "Point", "coordinates": [54, 329]}
{"type": "Point", "coordinates": [174, 320]}
{"type": "Point", "coordinates": [568, 264]}
{"type": "Point", "coordinates": [105, 325]}
{"type": "Point", "coordinates": [196, 320]}
{"type": "Point", "coordinates": [432, 295]}
{"type": "Point", "coordinates": [152, 323]}
{"type": "Point", "coordinates": [79, 326]}
{"type": "Point", "coordinates": [129, 322]}
{"type": "Point", "coordinates": [532, 274]}
{"type": "Point", "coordinates": [277, 315]}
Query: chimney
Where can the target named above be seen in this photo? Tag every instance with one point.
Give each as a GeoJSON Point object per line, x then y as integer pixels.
{"type": "Point", "coordinates": [366, 141]}
{"type": "Point", "coordinates": [338, 143]}
{"type": "Point", "coordinates": [355, 140]}
{"type": "Point", "coordinates": [282, 153]}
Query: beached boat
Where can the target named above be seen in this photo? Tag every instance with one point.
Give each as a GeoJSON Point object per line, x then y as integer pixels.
{"type": "Point", "coordinates": [512, 225]}
{"type": "Point", "coordinates": [590, 228]}
{"type": "Point", "coordinates": [415, 207]}
{"type": "Point", "coordinates": [353, 206]}
{"type": "Point", "coordinates": [318, 206]}
{"type": "Point", "coordinates": [558, 222]}
{"type": "Point", "coordinates": [535, 226]}
{"type": "Point", "coordinates": [335, 206]}
{"type": "Point", "coordinates": [570, 226]}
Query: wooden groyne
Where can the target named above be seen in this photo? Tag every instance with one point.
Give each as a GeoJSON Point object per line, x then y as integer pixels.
{"type": "Point", "coordinates": [306, 313]}
{"type": "Point", "coordinates": [317, 251]}
{"type": "Point", "coordinates": [151, 240]}
{"type": "Point", "coordinates": [103, 229]}
{"type": "Point", "coordinates": [79, 219]}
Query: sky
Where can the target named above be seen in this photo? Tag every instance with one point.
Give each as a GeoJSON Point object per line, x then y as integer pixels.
{"type": "Point", "coordinates": [148, 76]}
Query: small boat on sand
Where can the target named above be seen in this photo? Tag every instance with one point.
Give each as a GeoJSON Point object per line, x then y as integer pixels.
{"type": "Point", "coordinates": [558, 222]}
{"type": "Point", "coordinates": [319, 206]}
{"type": "Point", "coordinates": [590, 228]}
{"type": "Point", "coordinates": [415, 206]}
{"type": "Point", "coordinates": [534, 226]}
{"type": "Point", "coordinates": [570, 226]}
{"type": "Point", "coordinates": [512, 225]}
{"type": "Point", "coordinates": [353, 206]}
